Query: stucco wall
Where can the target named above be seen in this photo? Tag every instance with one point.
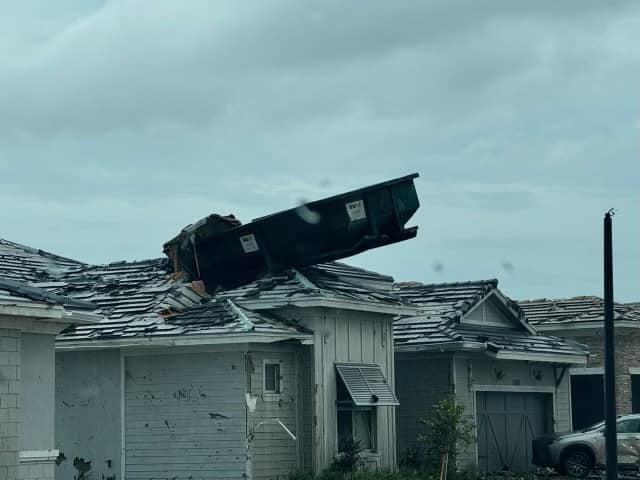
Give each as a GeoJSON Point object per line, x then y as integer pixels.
{"type": "Point", "coordinates": [87, 408]}
{"type": "Point", "coordinates": [38, 391]}
{"type": "Point", "coordinates": [421, 381]}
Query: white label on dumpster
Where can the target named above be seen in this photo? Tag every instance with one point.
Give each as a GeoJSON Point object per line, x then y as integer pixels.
{"type": "Point", "coordinates": [356, 210]}
{"type": "Point", "coordinates": [249, 243]}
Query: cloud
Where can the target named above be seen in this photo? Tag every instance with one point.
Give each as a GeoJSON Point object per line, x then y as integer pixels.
{"type": "Point", "coordinates": [139, 117]}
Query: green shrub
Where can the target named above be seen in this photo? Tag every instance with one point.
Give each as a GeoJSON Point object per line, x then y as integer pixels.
{"type": "Point", "coordinates": [447, 430]}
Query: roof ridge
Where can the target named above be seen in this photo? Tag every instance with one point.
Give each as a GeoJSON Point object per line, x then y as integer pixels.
{"type": "Point", "coordinates": [39, 251]}
{"type": "Point", "coordinates": [562, 299]}
{"type": "Point", "coordinates": [411, 283]}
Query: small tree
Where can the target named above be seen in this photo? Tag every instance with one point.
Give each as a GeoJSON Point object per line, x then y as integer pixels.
{"type": "Point", "coordinates": [447, 429]}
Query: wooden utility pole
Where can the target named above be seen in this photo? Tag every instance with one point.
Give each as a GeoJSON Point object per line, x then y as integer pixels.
{"type": "Point", "coordinates": [611, 441]}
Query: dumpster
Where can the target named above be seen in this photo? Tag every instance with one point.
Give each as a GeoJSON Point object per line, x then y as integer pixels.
{"type": "Point", "coordinates": [316, 232]}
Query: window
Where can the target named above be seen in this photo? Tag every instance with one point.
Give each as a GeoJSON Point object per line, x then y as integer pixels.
{"type": "Point", "coordinates": [635, 393]}
{"type": "Point", "coordinates": [271, 377]}
{"type": "Point", "coordinates": [355, 424]}
{"type": "Point", "coordinates": [628, 426]}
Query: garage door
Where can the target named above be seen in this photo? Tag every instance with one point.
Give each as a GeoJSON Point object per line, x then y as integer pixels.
{"type": "Point", "coordinates": [185, 417]}
{"type": "Point", "coordinates": [507, 422]}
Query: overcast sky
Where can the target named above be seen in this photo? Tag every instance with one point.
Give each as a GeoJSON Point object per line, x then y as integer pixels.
{"type": "Point", "coordinates": [123, 121]}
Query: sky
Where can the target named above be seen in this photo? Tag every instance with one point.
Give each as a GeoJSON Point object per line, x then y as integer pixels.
{"type": "Point", "coordinates": [123, 121]}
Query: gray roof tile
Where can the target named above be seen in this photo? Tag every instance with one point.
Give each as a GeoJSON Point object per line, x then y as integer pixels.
{"type": "Point", "coordinates": [442, 306]}
{"type": "Point", "coordinates": [560, 312]}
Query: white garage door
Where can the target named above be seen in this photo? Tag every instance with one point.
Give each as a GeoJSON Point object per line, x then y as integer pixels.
{"type": "Point", "coordinates": [185, 416]}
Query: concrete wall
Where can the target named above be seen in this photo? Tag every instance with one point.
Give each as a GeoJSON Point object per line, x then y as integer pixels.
{"type": "Point", "coordinates": [38, 391]}
{"type": "Point", "coordinates": [347, 336]}
{"type": "Point", "coordinates": [87, 407]}
{"type": "Point", "coordinates": [422, 380]}
{"type": "Point", "coordinates": [472, 372]}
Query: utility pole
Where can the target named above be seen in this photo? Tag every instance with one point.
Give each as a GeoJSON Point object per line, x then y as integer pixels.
{"type": "Point", "coordinates": [611, 440]}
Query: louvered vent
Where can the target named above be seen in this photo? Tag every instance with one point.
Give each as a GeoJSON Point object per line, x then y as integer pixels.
{"type": "Point", "coordinates": [366, 384]}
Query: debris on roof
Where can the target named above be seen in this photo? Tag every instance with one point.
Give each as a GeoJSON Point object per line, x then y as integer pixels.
{"type": "Point", "coordinates": [549, 313]}
{"type": "Point", "coordinates": [332, 281]}
{"type": "Point", "coordinates": [437, 326]}
{"type": "Point", "coordinates": [215, 317]}
{"type": "Point", "coordinates": [223, 253]}
{"type": "Point", "coordinates": [11, 290]}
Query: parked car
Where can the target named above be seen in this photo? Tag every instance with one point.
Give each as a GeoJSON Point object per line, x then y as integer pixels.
{"type": "Point", "coordinates": [577, 453]}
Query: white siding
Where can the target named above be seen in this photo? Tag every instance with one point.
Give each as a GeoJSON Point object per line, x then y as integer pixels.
{"type": "Point", "coordinates": [347, 336]}
{"type": "Point", "coordinates": [274, 452]}
{"type": "Point", "coordinates": [491, 312]}
{"type": "Point", "coordinates": [185, 416]}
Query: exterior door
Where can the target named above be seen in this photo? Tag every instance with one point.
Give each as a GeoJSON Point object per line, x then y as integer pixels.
{"type": "Point", "coordinates": [507, 422]}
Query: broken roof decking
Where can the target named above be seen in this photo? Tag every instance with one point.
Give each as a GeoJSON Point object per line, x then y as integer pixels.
{"type": "Point", "coordinates": [26, 264]}
{"type": "Point", "coordinates": [20, 292]}
{"type": "Point", "coordinates": [141, 299]}
{"type": "Point", "coordinates": [438, 325]}
{"type": "Point", "coordinates": [576, 312]}
{"type": "Point", "coordinates": [221, 319]}
{"type": "Point", "coordinates": [332, 285]}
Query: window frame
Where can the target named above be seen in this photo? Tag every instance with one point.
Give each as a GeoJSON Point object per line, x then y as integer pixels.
{"type": "Point", "coordinates": [272, 394]}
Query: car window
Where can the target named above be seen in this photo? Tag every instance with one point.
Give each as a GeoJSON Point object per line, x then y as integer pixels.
{"type": "Point", "coordinates": [629, 426]}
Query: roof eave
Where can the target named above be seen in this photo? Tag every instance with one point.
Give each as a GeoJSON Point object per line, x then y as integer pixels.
{"type": "Point", "coordinates": [395, 310]}
{"type": "Point", "coordinates": [557, 358]}
{"type": "Point", "coordinates": [183, 340]}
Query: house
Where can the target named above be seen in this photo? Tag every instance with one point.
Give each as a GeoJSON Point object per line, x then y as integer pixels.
{"type": "Point", "coordinates": [469, 339]}
{"type": "Point", "coordinates": [254, 381]}
{"type": "Point", "coordinates": [582, 319]}
{"type": "Point", "coordinates": [30, 318]}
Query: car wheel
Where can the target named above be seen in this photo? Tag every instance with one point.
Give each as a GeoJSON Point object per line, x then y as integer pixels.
{"type": "Point", "coordinates": [577, 462]}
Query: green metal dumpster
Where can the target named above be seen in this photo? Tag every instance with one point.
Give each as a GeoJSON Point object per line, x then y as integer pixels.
{"type": "Point", "coordinates": [319, 231]}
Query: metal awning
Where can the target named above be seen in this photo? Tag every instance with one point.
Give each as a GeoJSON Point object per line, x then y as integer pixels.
{"type": "Point", "coordinates": [366, 384]}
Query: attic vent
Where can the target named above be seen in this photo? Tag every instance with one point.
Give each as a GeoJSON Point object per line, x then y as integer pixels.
{"type": "Point", "coordinates": [366, 385]}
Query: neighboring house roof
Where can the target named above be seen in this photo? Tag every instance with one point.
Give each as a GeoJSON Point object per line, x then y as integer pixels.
{"type": "Point", "coordinates": [22, 263]}
{"type": "Point", "coordinates": [576, 312]}
{"type": "Point", "coordinates": [438, 326]}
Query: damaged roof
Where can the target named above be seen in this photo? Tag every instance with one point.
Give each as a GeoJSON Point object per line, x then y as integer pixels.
{"type": "Point", "coordinates": [26, 264]}
{"type": "Point", "coordinates": [551, 314]}
{"type": "Point", "coordinates": [438, 325]}
{"type": "Point", "coordinates": [331, 283]}
{"type": "Point", "coordinates": [143, 299]}
{"type": "Point", "coordinates": [219, 318]}
{"type": "Point", "coordinates": [12, 291]}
